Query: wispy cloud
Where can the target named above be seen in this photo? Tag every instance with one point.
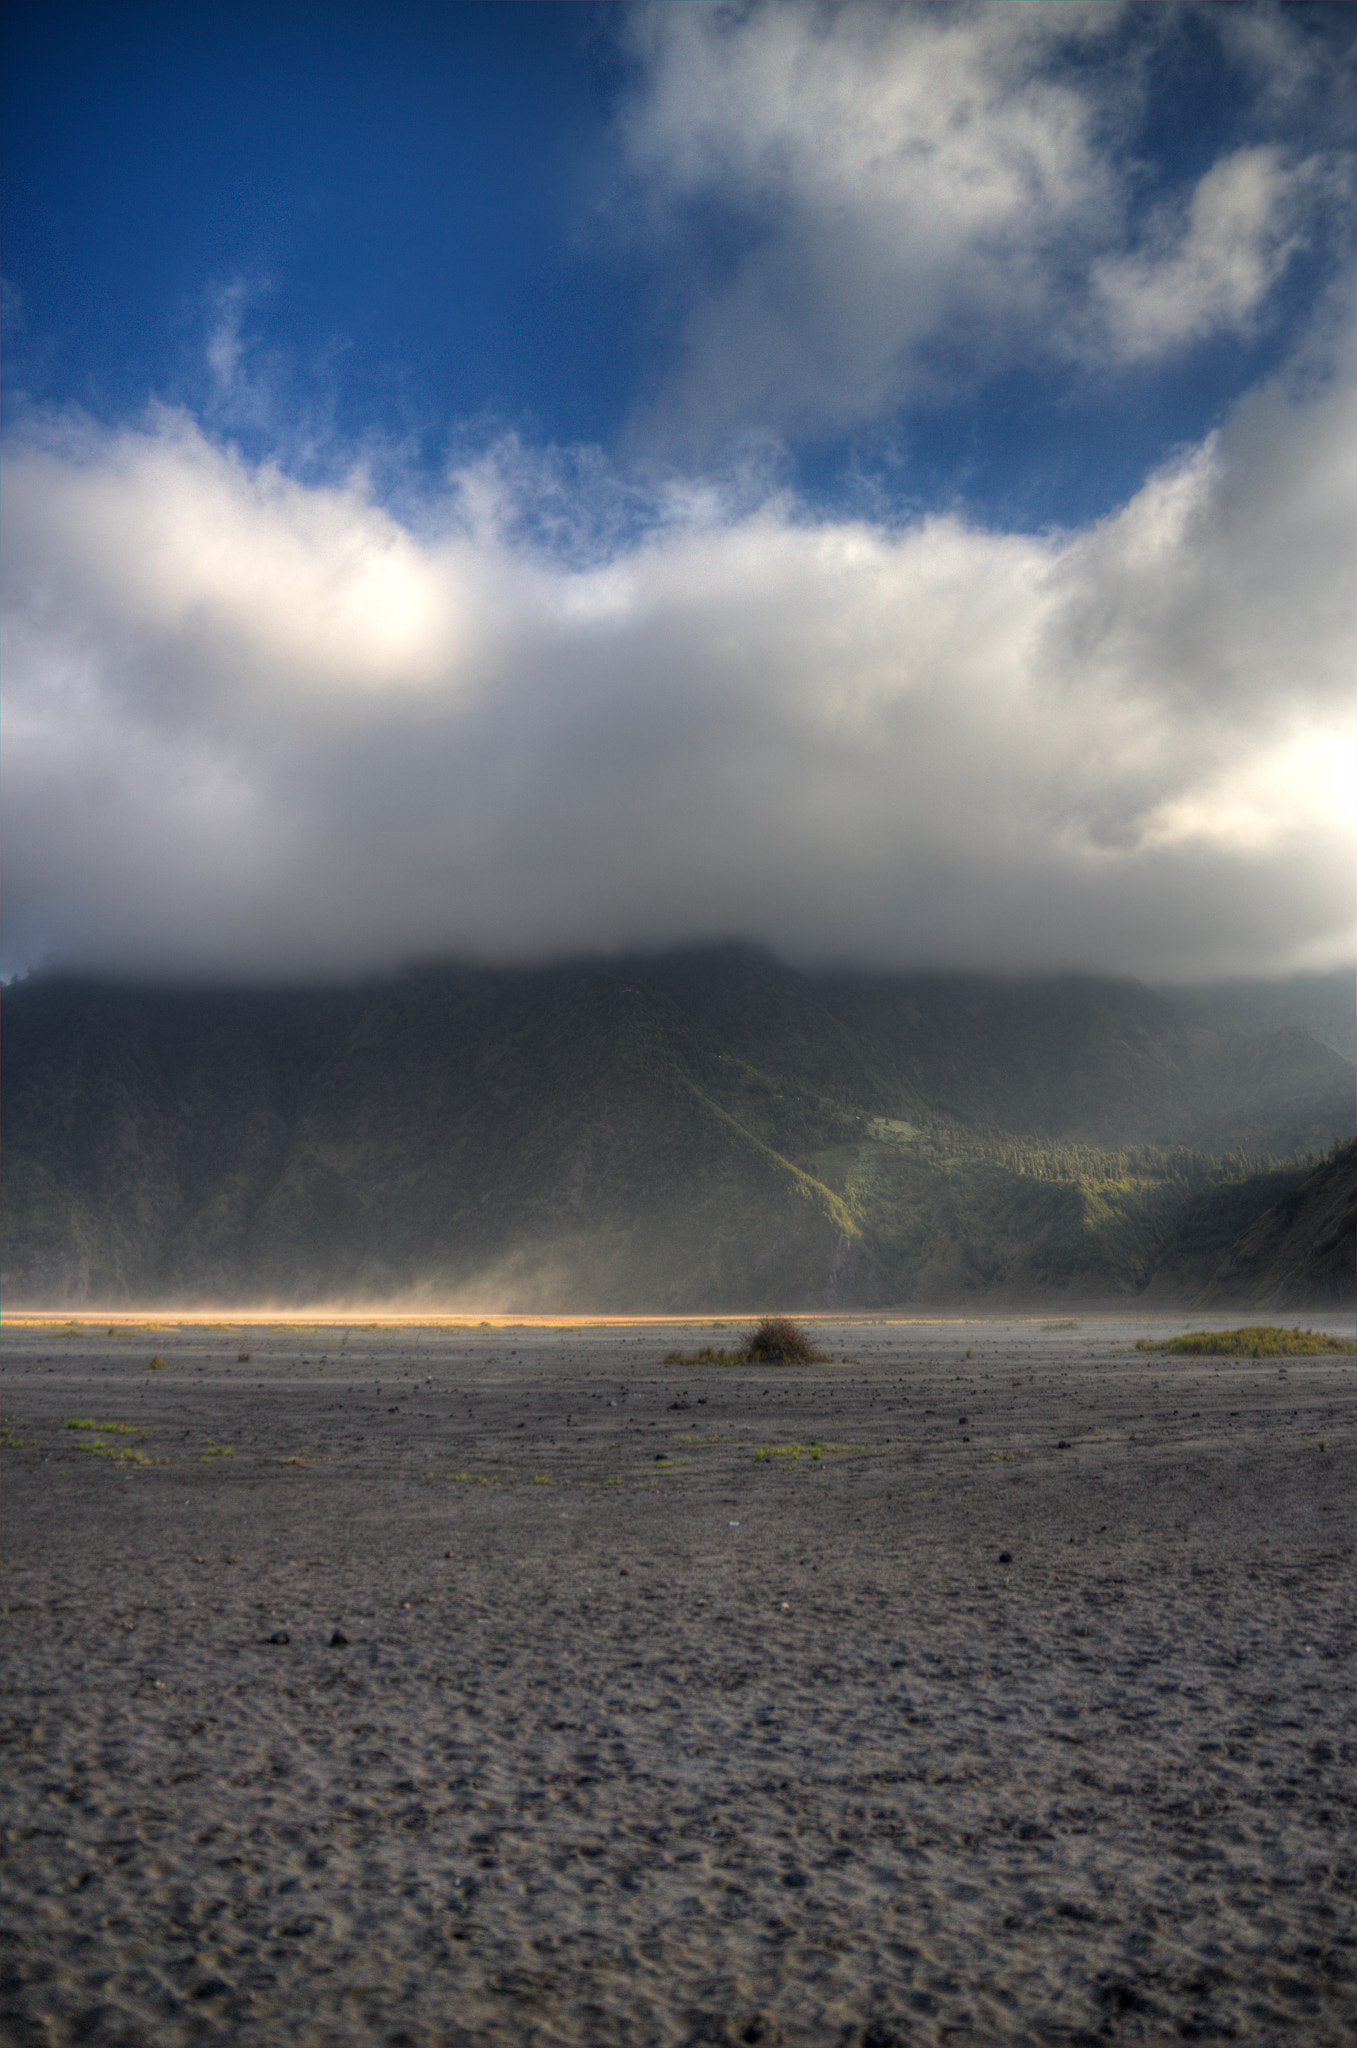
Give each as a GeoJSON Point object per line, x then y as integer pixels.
{"type": "Point", "coordinates": [225, 348]}
{"type": "Point", "coordinates": [869, 205]}
{"type": "Point", "coordinates": [1205, 266]}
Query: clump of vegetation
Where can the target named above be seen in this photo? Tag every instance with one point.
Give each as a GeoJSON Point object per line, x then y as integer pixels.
{"type": "Point", "coordinates": [775, 1341]}
{"type": "Point", "coordinates": [778, 1340]}
{"type": "Point", "coordinates": [96, 1445]}
{"type": "Point", "coordinates": [1256, 1340]}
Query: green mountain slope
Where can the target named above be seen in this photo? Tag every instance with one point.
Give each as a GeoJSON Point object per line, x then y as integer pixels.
{"type": "Point", "coordinates": [709, 1129]}
{"type": "Point", "coordinates": [543, 1139]}
{"type": "Point", "coordinates": [1299, 1253]}
{"type": "Point", "coordinates": [1099, 1062]}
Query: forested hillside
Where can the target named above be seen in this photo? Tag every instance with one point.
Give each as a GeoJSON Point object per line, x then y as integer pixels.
{"type": "Point", "coordinates": [701, 1130]}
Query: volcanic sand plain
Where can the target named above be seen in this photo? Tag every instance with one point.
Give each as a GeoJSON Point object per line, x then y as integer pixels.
{"type": "Point", "coordinates": [989, 1681]}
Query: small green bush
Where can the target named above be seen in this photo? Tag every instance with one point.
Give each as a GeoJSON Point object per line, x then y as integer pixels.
{"type": "Point", "coordinates": [1255, 1340]}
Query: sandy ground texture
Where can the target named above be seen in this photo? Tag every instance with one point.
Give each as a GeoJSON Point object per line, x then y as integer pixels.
{"type": "Point", "coordinates": [992, 1683]}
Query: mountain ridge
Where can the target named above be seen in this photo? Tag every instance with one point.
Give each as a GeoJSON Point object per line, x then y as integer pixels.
{"type": "Point", "coordinates": [691, 1129]}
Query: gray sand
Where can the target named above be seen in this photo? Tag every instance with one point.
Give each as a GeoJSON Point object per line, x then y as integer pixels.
{"type": "Point", "coordinates": [639, 1736]}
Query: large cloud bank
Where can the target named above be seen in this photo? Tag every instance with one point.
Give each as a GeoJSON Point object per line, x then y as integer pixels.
{"type": "Point", "coordinates": [262, 726]}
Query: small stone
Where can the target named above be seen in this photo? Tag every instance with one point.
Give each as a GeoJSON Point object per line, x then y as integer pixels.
{"type": "Point", "coordinates": [339, 1641]}
{"type": "Point", "coordinates": [1005, 1557]}
{"type": "Point", "coordinates": [1064, 1444]}
{"type": "Point", "coordinates": [280, 1636]}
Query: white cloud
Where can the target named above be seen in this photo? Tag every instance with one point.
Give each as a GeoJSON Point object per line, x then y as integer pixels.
{"type": "Point", "coordinates": [256, 725]}
{"type": "Point", "coordinates": [1206, 267]}
{"type": "Point", "coordinates": [871, 203]}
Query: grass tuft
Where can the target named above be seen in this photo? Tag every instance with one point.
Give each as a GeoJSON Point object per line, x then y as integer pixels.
{"type": "Point", "coordinates": [1255, 1340]}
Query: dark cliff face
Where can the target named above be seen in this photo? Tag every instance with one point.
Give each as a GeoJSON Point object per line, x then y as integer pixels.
{"type": "Point", "coordinates": [710, 1129]}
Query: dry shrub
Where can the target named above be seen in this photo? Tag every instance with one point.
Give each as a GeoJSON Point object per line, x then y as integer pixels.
{"type": "Point", "coordinates": [781, 1341]}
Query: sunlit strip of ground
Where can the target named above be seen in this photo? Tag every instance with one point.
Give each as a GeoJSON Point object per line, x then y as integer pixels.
{"type": "Point", "coordinates": [103, 1320]}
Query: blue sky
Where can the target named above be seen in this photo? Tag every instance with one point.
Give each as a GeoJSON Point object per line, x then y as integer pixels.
{"type": "Point", "coordinates": [516, 479]}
